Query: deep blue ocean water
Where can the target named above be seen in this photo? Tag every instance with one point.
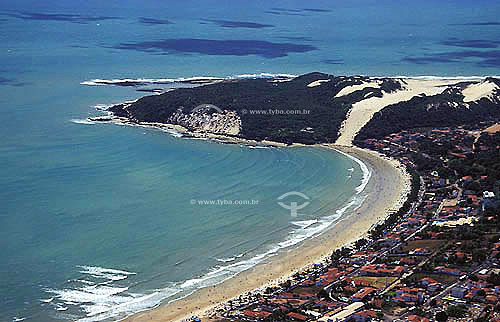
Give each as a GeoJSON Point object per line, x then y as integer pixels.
{"type": "Point", "coordinates": [97, 220]}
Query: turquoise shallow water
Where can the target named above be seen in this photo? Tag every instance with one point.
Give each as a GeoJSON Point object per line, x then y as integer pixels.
{"type": "Point", "coordinates": [97, 220]}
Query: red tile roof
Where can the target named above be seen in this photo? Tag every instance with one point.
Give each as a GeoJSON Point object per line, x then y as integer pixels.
{"type": "Point", "coordinates": [257, 315]}
{"type": "Point", "coordinates": [297, 316]}
{"type": "Point", "coordinates": [364, 293]}
{"type": "Point", "coordinates": [416, 318]}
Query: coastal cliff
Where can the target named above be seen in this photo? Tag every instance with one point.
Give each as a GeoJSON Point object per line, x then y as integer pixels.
{"type": "Point", "coordinates": [206, 119]}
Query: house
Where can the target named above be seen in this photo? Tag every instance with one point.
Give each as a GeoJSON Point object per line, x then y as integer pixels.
{"type": "Point", "coordinates": [427, 281]}
{"type": "Point", "coordinates": [420, 252]}
{"type": "Point", "coordinates": [459, 292]}
{"type": "Point", "coordinates": [432, 288]}
{"type": "Point", "coordinates": [297, 316]}
{"type": "Point", "coordinates": [364, 316]}
{"type": "Point", "coordinates": [416, 318]}
{"type": "Point", "coordinates": [325, 305]}
{"type": "Point", "coordinates": [489, 200]}
{"type": "Point", "coordinates": [406, 298]}
{"type": "Point", "coordinates": [256, 315]}
{"type": "Point", "coordinates": [491, 299]}
{"type": "Point", "coordinates": [362, 283]}
{"type": "Point", "coordinates": [287, 295]}
{"type": "Point", "coordinates": [409, 296]}
{"type": "Point", "coordinates": [448, 271]}
{"type": "Point", "coordinates": [362, 294]}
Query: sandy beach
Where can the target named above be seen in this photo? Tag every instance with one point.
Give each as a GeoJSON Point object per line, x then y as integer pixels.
{"type": "Point", "coordinates": [385, 190]}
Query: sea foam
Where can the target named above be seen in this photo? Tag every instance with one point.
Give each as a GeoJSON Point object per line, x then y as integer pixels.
{"type": "Point", "coordinates": [367, 173]}
{"type": "Point", "coordinates": [133, 82]}
{"type": "Point", "coordinates": [82, 121]}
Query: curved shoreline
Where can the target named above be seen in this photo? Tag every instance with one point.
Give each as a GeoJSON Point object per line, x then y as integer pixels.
{"type": "Point", "coordinates": [386, 189]}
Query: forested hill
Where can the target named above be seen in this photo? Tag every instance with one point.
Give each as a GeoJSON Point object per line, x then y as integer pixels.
{"type": "Point", "coordinates": [302, 111]}
{"type": "Point", "coordinates": [311, 108]}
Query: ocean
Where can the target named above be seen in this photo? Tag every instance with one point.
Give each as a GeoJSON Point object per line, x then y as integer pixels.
{"type": "Point", "coordinates": [99, 221]}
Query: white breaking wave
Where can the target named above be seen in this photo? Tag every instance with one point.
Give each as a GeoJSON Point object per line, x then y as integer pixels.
{"type": "Point", "coordinates": [173, 133]}
{"type": "Point", "coordinates": [165, 81]}
{"type": "Point", "coordinates": [105, 300]}
{"type": "Point", "coordinates": [367, 173]}
{"type": "Point", "coordinates": [257, 147]}
{"type": "Point", "coordinates": [82, 121]}
{"type": "Point", "coordinates": [106, 273]}
{"type": "Point", "coordinates": [226, 260]}
{"type": "Point", "coordinates": [47, 300]}
{"type": "Point", "coordinates": [147, 81]}
{"type": "Point", "coordinates": [305, 223]}
{"type": "Point", "coordinates": [136, 303]}
{"type": "Point", "coordinates": [93, 298]}
{"type": "Point", "coordinates": [102, 107]}
{"type": "Point", "coordinates": [307, 230]}
{"type": "Point", "coordinates": [264, 75]}
{"type": "Point", "coordinates": [207, 79]}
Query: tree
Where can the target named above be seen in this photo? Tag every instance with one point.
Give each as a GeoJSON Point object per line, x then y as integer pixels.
{"type": "Point", "coordinates": [441, 316]}
{"type": "Point", "coordinates": [286, 284]}
{"type": "Point", "coordinates": [456, 311]}
{"type": "Point", "coordinates": [322, 294]}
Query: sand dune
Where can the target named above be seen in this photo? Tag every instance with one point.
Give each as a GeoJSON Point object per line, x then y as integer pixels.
{"type": "Point", "coordinates": [478, 91]}
{"type": "Point", "coordinates": [363, 111]}
{"type": "Point", "coordinates": [351, 89]}
{"type": "Point", "coordinates": [318, 82]}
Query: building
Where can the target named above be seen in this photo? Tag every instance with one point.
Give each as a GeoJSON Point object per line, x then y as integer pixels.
{"type": "Point", "coordinates": [459, 292]}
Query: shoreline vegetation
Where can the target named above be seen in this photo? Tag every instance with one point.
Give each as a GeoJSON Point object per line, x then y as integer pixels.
{"type": "Point", "coordinates": [362, 103]}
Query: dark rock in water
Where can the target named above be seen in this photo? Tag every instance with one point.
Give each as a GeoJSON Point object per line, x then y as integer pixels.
{"type": "Point", "coordinates": [151, 90]}
{"type": "Point", "coordinates": [101, 119]}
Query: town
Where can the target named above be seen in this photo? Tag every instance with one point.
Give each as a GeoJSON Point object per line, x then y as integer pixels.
{"type": "Point", "coordinates": [436, 259]}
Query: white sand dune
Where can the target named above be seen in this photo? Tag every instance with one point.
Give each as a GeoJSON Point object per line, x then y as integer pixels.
{"type": "Point", "coordinates": [351, 89]}
{"type": "Point", "coordinates": [478, 91]}
{"type": "Point", "coordinates": [318, 82]}
{"type": "Point", "coordinates": [362, 111]}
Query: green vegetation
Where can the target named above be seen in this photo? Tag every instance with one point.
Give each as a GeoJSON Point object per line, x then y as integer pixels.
{"type": "Point", "coordinates": [445, 109]}
{"type": "Point", "coordinates": [318, 122]}
{"type": "Point", "coordinates": [456, 311]}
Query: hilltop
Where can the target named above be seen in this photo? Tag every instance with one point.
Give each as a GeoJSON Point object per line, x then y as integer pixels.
{"type": "Point", "coordinates": [318, 108]}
